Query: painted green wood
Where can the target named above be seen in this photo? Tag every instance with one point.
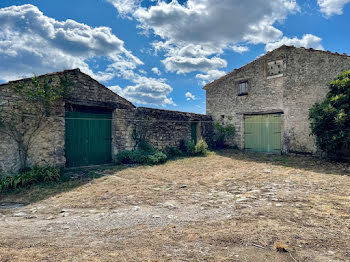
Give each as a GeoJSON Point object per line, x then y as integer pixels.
{"type": "Point", "coordinates": [262, 133]}
{"type": "Point", "coordinates": [194, 132]}
{"type": "Point", "coordinates": [88, 138]}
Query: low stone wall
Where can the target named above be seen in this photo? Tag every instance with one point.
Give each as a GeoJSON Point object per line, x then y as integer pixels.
{"type": "Point", "coordinates": [161, 128]}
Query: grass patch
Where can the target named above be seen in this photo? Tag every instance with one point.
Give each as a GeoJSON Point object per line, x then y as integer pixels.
{"type": "Point", "coordinates": [39, 191]}
{"type": "Point", "coordinates": [69, 179]}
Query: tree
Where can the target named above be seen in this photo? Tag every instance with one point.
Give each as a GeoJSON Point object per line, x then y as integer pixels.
{"type": "Point", "coordinates": [26, 113]}
{"type": "Point", "coordinates": [330, 120]}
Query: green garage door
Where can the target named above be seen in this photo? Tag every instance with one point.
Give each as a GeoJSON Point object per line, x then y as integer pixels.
{"type": "Point", "coordinates": [262, 133]}
{"type": "Point", "coordinates": [88, 138]}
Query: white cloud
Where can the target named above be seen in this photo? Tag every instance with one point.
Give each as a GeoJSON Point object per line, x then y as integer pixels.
{"type": "Point", "coordinates": [210, 76]}
{"type": "Point", "coordinates": [240, 49]}
{"type": "Point", "coordinates": [195, 33]}
{"type": "Point", "coordinates": [142, 71]}
{"type": "Point", "coordinates": [183, 64]}
{"type": "Point", "coordinates": [156, 71]}
{"type": "Point", "coordinates": [116, 89]}
{"type": "Point", "coordinates": [31, 42]}
{"type": "Point", "coordinates": [332, 7]}
{"type": "Point", "coordinates": [307, 41]}
{"type": "Point", "coordinates": [190, 96]}
{"type": "Point", "coordinates": [190, 57]}
{"type": "Point", "coordinates": [146, 90]}
{"type": "Point", "coordinates": [212, 21]}
{"type": "Point", "coordinates": [125, 7]}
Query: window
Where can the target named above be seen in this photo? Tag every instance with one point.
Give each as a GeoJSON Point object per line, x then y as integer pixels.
{"type": "Point", "coordinates": [275, 69]}
{"type": "Point", "coordinates": [243, 88]}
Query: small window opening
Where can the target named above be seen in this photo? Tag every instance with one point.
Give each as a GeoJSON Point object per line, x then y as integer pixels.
{"type": "Point", "coordinates": [243, 88]}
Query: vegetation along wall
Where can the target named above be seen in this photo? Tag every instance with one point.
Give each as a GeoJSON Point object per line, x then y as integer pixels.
{"type": "Point", "coordinates": [161, 128]}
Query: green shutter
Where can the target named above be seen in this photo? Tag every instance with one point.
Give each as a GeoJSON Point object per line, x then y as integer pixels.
{"type": "Point", "coordinates": [262, 133]}
{"type": "Point", "coordinates": [88, 138]}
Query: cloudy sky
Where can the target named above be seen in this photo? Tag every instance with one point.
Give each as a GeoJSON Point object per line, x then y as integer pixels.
{"type": "Point", "coordinates": [160, 53]}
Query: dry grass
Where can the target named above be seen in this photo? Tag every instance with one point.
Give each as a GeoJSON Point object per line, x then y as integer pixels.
{"type": "Point", "coordinates": [225, 207]}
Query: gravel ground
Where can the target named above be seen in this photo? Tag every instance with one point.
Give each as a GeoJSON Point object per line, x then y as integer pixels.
{"type": "Point", "coordinates": [225, 207]}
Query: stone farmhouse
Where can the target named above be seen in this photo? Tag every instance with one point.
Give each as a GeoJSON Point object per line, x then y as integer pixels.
{"type": "Point", "coordinates": [268, 100]}
{"type": "Point", "coordinates": [93, 124]}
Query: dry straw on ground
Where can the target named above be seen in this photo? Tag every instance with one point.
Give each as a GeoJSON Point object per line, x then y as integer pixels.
{"type": "Point", "coordinates": [197, 209]}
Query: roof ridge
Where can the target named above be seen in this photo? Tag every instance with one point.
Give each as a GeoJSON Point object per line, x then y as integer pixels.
{"type": "Point", "coordinates": [47, 74]}
{"type": "Point", "coordinates": [269, 52]}
{"type": "Point", "coordinates": [77, 70]}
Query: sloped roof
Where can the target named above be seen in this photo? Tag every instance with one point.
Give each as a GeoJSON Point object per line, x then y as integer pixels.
{"type": "Point", "coordinates": [77, 71]}
{"type": "Point", "coordinates": [267, 54]}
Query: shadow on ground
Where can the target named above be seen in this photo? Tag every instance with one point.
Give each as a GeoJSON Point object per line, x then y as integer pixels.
{"type": "Point", "coordinates": [71, 178]}
{"type": "Point", "coordinates": [307, 163]}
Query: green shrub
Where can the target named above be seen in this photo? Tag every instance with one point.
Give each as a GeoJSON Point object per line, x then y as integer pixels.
{"type": "Point", "coordinates": [190, 148]}
{"type": "Point", "coordinates": [173, 151]}
{"type": "Point", "coordinates": [156, 158]}
{"type": "Point", "coordinates": [222, 133]}
{"type": "Point", "coordinates": [124, 157]}
{"type": "Point", "coordinates": [146, 156]}
{"type": "Point", "coordinates": [330, 120]}
{"type": "Point", "coordinates": [182, 146]}
{"type": "Point", "coordinates": [33, 176]}
{"type": "Point", "coordinates": [201, 148]}
{"type": "Point", "coordinates": [145, 146]}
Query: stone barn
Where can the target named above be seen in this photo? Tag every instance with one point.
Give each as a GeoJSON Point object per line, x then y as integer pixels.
{"type": "Point", "coordinates": [93, 124]}
{"type": "Point", "coordinates": [268, 100]}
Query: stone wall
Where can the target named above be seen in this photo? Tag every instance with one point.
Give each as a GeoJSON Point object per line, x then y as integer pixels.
{"type": "Point", "coordinates": [161, 128]}
{"type": "Point", "coordinates": [86, 91]}
{"type": "Point", "coordinates": [49, 145]}
{"type": "Point", "coordinates": [308, 75]}
{"type": "Point", "coordinates": [303, 82]}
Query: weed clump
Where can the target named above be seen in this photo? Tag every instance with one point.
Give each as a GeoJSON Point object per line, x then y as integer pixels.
{"type": "Point", "coordinates": [33, 176]}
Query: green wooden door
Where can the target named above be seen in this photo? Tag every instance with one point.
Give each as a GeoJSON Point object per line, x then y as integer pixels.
{"type": "Point", "coordinates": [88, 138]}
{"type": "Point", "coordinates": [262, 133]}
{"type": "Point", "coordinates": [194, 132]}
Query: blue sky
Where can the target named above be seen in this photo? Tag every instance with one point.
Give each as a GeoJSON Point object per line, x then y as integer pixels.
{"type": "Point", "coordinates": [161, 53]}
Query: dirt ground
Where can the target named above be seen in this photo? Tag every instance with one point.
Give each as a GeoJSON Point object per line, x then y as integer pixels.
{"type": "Point", "coordinates": [224, 207]}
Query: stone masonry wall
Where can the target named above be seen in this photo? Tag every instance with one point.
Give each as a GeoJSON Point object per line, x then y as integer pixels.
{"type": "Point", "coordinates": [162, 128]}
{"type": "Point", "coordinates": [86, 91]}
{"type": "Point", "coordinates": [224, 104]}
{"type": "Point", "coordinates": [304, 81]}
{"type": "Point", "coordinates": [308, 75]}
{"type": "Point", "coordinates": [49, 145]}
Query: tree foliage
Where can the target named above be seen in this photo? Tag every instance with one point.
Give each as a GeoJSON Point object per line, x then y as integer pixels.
{"type": "Point", "coordinates": [223, 132]}
{"type": "Point", "coordinates": [330, 120]}
{"type": "Point", "coordinates": [26, 112]}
